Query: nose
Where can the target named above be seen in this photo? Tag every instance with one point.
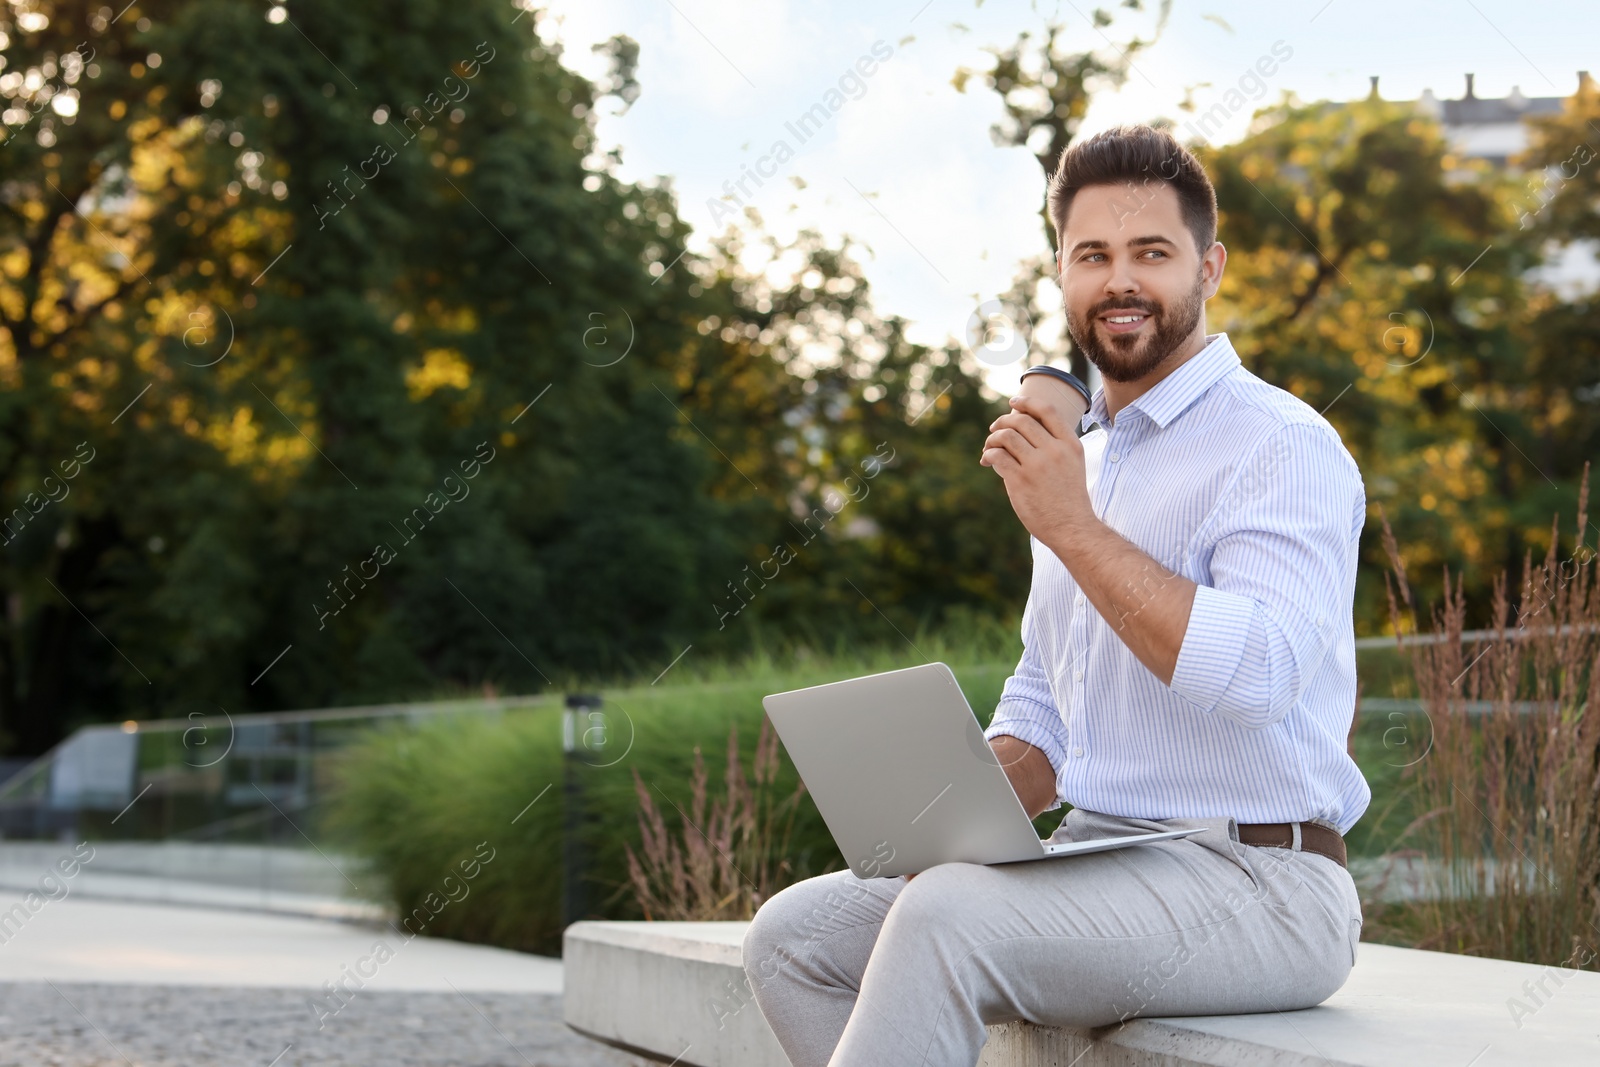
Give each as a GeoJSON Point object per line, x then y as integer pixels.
{"type": "Point", "coordinates": [1121, 281]}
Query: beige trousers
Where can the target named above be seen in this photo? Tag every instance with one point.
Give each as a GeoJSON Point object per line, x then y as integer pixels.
{"type": "Point", "coordinates": [885, 972]}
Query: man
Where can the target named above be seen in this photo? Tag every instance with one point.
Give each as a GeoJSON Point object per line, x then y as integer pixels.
{"type": "Point", "coordinates": [1189, 660]}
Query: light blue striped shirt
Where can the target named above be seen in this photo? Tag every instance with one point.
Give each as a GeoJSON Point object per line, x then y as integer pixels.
{"type": "Point", "coordinates": [1244, 489]}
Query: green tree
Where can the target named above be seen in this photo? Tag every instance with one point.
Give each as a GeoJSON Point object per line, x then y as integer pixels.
{"type": "Point", "coordinates": [857, 451]}
{"type": "Point", "coordinates": [1045, 89]}
{"type": "Point", "coordinates": [271, 277]}
{"type": "Point", "coordinates": [1384, 281]}
{"type": "Point", "coordinates": [322, 258]}
{"type": "Point", "coordinates": [1555, 204]}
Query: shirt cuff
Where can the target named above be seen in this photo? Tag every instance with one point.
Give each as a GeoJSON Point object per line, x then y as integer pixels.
{"type": "Point", "coordinates": [1212, 646]}
{"type": "Point", "coordinates": [1040, 737]}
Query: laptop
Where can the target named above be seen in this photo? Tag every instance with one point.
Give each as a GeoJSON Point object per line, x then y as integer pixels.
{"type": "Point", "coordinates": [904, 778]}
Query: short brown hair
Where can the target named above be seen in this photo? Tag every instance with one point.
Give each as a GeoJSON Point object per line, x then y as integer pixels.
{"type": "Point", "coordinates": [1124, 155]}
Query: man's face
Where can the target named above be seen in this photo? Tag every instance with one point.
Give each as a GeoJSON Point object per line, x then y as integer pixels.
{"type": "Point", "coordinates": [1132, 280]}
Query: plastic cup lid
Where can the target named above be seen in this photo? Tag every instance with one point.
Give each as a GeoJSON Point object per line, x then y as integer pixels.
{"type": "Point", "coordinates": [1065, 376]}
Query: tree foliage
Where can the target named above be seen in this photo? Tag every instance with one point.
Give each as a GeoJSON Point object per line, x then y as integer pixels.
{"type": "Point", "coordinates": [1045, 86]}
{"type": "Point", "coordinates": [286, 278]}
{"type": "Point", "coordinates": [373, 379]}
{"type": "Point", "coordinates": [337, 365]}
{"type": "Point", "coordinates": [1386, 280]}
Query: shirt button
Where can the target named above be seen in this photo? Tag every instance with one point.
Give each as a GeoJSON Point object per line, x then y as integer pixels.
{"type": "Point", "coordinates": [1114, 456]}
{"type": "Point", "coordinates": [1077, 752]}
{"type": "Point", "coordinates": [1078, 677]}
{"type": "Point", "coordinates": [1078, 601]}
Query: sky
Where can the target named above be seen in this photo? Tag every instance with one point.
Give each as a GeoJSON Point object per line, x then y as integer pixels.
{"type": "Point", "coordinates": [907, 168]}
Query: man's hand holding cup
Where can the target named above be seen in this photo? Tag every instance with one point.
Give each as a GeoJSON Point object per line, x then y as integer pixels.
{"type": "Point", "coordinates": [1035, 450]}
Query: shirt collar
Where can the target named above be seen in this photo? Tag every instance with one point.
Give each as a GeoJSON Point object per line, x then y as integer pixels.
{"type": "Point", "coordinates": [1169, 397]}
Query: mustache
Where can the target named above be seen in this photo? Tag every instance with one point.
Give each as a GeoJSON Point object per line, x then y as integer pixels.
{"type": "Point", "coordinates": [1149, 307]}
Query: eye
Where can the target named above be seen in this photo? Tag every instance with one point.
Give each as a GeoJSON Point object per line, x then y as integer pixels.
{"type": "Point", "coordinates": [1089, 256]}
{"type": "Point", "coordinates": [1155, 252]}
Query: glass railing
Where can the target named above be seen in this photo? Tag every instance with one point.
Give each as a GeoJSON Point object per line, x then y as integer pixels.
{"type": "Point", "coordinates": [223, 778]}
{"type": "Point", "coordinates": [224, 810]}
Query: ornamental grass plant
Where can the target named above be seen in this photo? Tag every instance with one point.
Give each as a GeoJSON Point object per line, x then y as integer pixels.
{"type": "Point", "coordinates": [1507, 797]}
{"type": "Point", "coordinates": [724, 861]}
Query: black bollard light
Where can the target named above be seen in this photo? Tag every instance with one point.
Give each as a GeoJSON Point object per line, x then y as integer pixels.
{"type": "Point", "coordinates": [574, 905]}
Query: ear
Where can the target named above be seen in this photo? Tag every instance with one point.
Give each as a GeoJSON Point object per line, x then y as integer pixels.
{"type": "Point", "coordinates": [1211, 267]}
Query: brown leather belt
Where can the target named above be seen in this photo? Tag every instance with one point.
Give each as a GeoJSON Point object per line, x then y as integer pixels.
{"type": "Point", "coordinates": [1314, 837]}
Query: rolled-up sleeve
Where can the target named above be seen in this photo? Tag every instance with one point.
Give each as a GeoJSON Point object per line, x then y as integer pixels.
{"type": "Point", "coordinates": [1279, 585]}
{"type": "Point", "coordinates": [1027, 711]}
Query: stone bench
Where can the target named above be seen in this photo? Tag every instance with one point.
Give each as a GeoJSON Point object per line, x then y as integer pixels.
{"type": "Point", "coordinates": [675, 992]}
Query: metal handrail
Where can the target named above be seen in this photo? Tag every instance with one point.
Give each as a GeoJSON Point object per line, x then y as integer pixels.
{"type": "Point", "coordinates": [366, 711]}
{"type": "Point", "coordinates": [1516, 634]}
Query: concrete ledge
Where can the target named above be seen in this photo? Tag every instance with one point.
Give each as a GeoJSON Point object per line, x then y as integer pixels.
{"type": "Point", "coordinates": [666, 990]}
{"type": "Point", "coordinates": [675, 992]}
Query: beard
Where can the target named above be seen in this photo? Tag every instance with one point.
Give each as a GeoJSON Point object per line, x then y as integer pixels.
{"type": "Point", "coordinates": [1129, 357]}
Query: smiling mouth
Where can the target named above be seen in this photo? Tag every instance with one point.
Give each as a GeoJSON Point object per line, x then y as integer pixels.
{"type": "Point", "coordinates": [1124, 321]}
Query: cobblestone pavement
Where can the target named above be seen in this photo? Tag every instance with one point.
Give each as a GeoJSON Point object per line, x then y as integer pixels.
{"type": "Point", "coordinates": [74, 1024]}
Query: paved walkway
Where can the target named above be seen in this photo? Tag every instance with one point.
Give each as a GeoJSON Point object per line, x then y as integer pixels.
{"type": "Point", "coordinates": [74, 940]}
{"type": "Point", "coordinates": [176, 1026]}
{"type": "Point", "coordinates": [99, 1025]}
{"type": "Point", "coordinates": [288, 881]}
{"type": "Point", "coordinates": [86, 982]}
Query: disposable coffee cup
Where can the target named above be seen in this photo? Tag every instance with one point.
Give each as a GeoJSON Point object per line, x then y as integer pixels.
{"type": "Point", "coordinates": [1061, 390]}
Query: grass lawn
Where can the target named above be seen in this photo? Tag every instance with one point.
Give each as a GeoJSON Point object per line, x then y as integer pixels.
{"type": "Point", "coordinates": [702, 707]}
{"type": "Point", "coordinates": [421, 802]}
